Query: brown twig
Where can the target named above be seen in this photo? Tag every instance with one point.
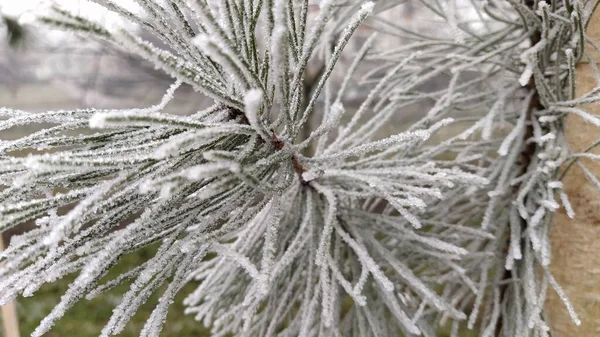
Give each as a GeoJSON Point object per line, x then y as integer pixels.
{"type": "Point", "coordinates": [295, 163]}
{"type": "Point", "coordinates": [525, 159]}
{"type": "Point", "coordinates": [279, 144]}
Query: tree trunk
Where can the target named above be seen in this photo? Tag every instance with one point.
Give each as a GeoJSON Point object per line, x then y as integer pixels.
{"type": "Point", "coordinates": [9, 312]}
{"type": "Point", "coordinates": [576, 242]}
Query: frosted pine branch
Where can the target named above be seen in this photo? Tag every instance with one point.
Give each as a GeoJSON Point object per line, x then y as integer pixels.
{"type": "Point", "coordinates": [373, 234]}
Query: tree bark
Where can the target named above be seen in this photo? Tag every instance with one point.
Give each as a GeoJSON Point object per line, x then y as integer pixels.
{"type": "Point", "coordinates": [9, 312]}
{"type": "Point", "coordinates": [576, 242]}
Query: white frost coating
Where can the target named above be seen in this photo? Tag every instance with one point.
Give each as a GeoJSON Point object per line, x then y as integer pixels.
{"type": "Point", "coordinates": [200, 172]}
{"type": "Point", "coordinates": [568, 208]}
{"type": "Point", "coordinates": [201, 40]}
{"type": "Point", "coordinates": [312, 174]}
{"type": "Point", "coordinates": [252, 104]}
{"type": "Point", "coordinates": [380, 144]}
{"type": "Point", "coordinates": [98, 121]}
{"type": "Point", "coordinates": [526, 75]}
{"type": "Point", "coordinates": [517, 130]}
{"type": "Point", "coordinates": [367, 7]}
{"type": "Point", "coordinates": [385, 210]}
{"type": "Point", "coordinates": [450, 12]}
{"type": "Point", "coordinates": [529, 57]}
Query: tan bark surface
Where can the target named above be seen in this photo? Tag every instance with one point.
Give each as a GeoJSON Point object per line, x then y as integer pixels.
{"type": "Point", "coordinates": [576, 242]}
{"type": "Point", "coordinates": [593, 32]}
{"type": "Point", "coordinates": [9, 313]}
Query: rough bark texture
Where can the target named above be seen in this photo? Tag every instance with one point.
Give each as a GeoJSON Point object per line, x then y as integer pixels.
{"type": "Point", "coordinates": [576, 242]}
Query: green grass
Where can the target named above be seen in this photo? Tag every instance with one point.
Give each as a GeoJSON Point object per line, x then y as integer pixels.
{"type": "Point", "coordinates": [87, 317]}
